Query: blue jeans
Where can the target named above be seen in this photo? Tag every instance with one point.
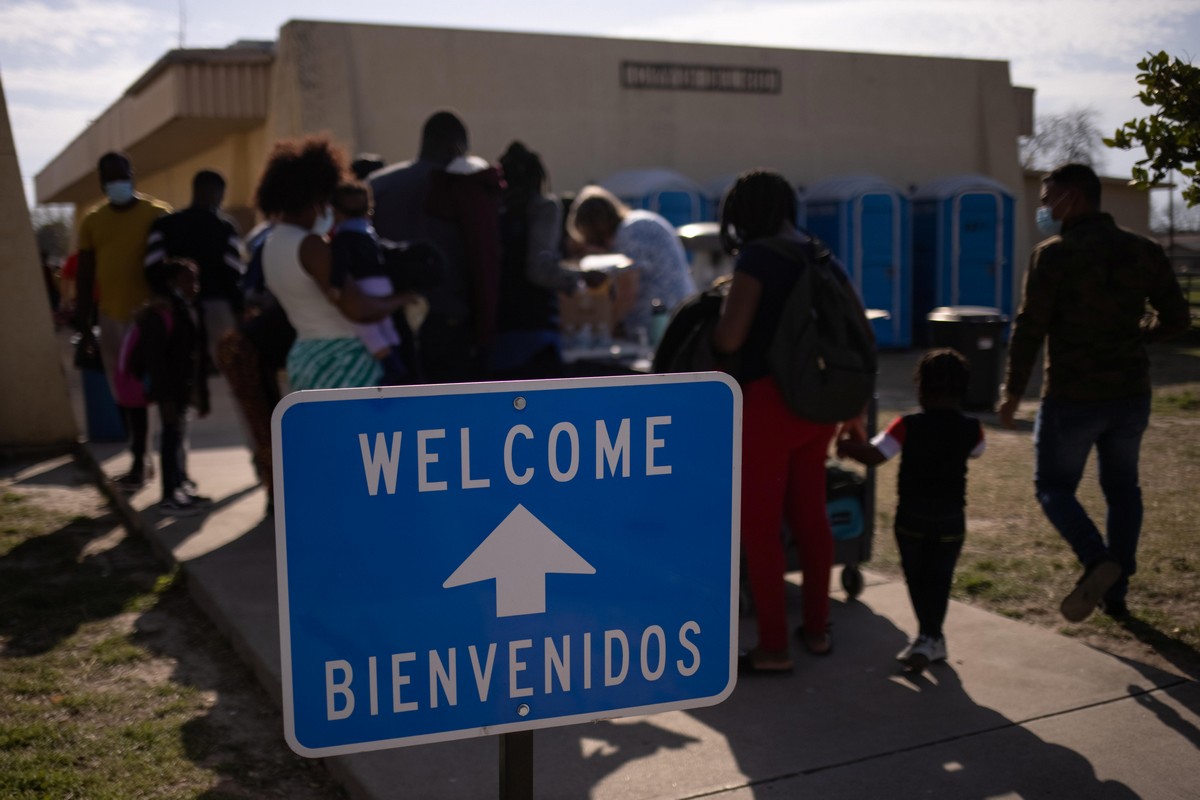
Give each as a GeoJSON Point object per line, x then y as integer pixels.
{"type": "Point", "coordinates": [1064, 435]}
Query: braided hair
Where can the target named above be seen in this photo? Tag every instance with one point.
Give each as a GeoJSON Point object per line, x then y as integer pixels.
{"type": "Point", "coordinates": [756, 206]}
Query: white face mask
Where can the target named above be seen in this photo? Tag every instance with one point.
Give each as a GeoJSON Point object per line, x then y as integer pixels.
{"type": "Point", "coordinates": [324, 222]}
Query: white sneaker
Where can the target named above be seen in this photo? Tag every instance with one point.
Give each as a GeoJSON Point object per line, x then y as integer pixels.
{"type": "Point", "coordinates": [918, 654]}
{"type": "Point", "coordinates": [922, 651]}
{"type": "Point", "coordinates": [179, 504]}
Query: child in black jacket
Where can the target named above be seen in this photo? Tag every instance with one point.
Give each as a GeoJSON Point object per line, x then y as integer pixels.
{"type": "Point", "coordinates": [931, 514]}
{"type": "Point", "coordinates": [168, 355]}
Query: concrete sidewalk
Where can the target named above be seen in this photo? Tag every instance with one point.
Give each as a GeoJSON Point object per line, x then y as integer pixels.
{"type": "Point", "coordinates": [1017, 712]}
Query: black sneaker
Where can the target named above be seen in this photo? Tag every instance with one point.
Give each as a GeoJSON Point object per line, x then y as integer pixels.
{"type": "Point", "coordinates": [1088, 592]}
{"type": "Point", "coordinates": [1116, 610]}
{"type": "Point", "coordinates": [179, 507]}
{"type": "Point", "coordinates": [131, 481]}
{"type": "Point", "coordinates": [189, 488]}
{"type": "Point", "coordinates": [179, 504]}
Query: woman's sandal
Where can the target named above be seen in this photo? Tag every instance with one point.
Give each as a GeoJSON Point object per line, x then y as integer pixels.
{"type": "Point", "coordinates": [746, 666]}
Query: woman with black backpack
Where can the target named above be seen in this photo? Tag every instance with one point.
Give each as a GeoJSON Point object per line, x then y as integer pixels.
{"type": "Point", "coordinates": [783, 454]}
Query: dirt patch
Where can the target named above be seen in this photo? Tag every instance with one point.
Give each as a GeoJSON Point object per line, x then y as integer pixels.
{"type": "Point", "coordinates": [1014, 563]}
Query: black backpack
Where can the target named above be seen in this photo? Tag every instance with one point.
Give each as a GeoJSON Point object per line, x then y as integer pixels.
{"type": "Point", "coordinates": [823, 352]}
{"type": "Point", "coordinates": [686, 344]}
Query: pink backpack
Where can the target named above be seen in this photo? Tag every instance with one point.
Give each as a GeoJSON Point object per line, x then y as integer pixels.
{"type": "Point", "coordinates": [130, 374]}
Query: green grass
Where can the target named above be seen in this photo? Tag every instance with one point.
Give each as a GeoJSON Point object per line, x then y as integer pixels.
{"type": "Point", "coordinates": [1015, 564]}
{"type": "Point", "coordinates": [78, 717]}
{"type": "Point", "coordinates": [1171, 402]}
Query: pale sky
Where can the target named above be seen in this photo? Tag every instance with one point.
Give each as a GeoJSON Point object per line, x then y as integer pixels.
{"type": "Point", "coordinates": [62, 62]}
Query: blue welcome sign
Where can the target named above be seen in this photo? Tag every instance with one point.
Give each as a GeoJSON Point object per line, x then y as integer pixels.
{"type": "Point", "coordinates": [477, 559]}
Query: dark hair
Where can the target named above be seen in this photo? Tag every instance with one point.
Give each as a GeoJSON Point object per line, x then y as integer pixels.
{"type": "Point", "coordinates": [352, 199]}
{"type": "Point", "coordinates": [443, 137]}
{"type": "Point", "coordinates": [300, 173]}
{"type": "Point", "coordinates": [366, 163]}
{"type": "Point", "coordinates": [756, 206]}
{"type": "Point", "coordinates": [161, 275]}
{"type": "Point", "coordinates": [208, 179]}
{"type": "Point", "coordinates": [524, 173]}
{"type": "Point", "coordinates": [1080, 177]}
{"type": "Point", "coordinates": [114, 157]}
{"type": "Point", "coordinates": [942, 373]}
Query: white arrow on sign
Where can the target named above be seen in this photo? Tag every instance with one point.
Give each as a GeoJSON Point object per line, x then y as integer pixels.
{"type": "Point", "coordinates": [519, 554]}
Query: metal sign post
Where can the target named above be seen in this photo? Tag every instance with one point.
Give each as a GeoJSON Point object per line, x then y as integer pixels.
{"type": "Point", "coordinates": [516, 766]}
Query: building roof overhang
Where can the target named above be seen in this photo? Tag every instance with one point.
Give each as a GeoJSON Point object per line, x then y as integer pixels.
{"type": "Point", "coordinates": [188, 101]}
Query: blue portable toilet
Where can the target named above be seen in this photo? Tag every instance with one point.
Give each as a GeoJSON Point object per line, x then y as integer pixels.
{"type": "Point", "coordinates": [865, 221]}
{"type": "Point", "coordinates": [714, 193]}
{"type": "Point", "coordinates": [677, 198]}
{"type": "Point", "coordinates": [962, 246]}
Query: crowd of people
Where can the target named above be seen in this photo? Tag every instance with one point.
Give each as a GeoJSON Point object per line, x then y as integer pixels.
{"type": "Point", "coordinates": [449, 268]}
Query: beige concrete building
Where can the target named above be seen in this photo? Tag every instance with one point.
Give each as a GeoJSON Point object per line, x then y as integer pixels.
{"type": "Point", "coordinates": [34, 409]}
{"type": "Point", "coordinates": [590, 106]}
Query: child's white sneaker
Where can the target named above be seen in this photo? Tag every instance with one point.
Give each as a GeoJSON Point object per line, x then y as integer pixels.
{"type": "Point", "coordinates": [922, 651]}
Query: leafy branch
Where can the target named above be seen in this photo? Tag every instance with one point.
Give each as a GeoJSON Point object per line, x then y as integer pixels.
{"type": "Point", "coordinates": [1171, 135]}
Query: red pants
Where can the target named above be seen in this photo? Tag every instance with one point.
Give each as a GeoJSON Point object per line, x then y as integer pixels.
{"type": "Point", "coordinates": [783, 473]}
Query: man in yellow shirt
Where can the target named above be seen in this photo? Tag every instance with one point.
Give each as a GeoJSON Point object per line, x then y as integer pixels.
{"type": "Point", "coordinates": [112, 249]}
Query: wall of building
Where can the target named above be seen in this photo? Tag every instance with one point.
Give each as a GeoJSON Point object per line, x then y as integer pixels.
{"type": "Point", "coordinates": [907, 119]}
{"type": "Point", "coordinates": [34, 407]}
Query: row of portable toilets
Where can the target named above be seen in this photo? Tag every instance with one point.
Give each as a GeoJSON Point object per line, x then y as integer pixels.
{"type": "Point", "coordinates": [947, 243]}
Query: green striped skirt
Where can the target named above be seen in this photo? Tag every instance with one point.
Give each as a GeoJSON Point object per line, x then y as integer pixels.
{"type": "Point", "coordinates": [331, 364]}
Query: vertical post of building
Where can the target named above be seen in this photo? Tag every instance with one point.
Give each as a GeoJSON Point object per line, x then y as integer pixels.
{"type": "Point", "coordinates": [35, 411]}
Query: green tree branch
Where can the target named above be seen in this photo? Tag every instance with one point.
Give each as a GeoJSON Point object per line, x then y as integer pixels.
{"type": "Point", "coordinates": [1170, 135]}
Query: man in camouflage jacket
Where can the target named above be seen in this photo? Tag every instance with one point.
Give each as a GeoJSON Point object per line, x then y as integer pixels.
{"type": "Point", "coordinates": [1086, 292]}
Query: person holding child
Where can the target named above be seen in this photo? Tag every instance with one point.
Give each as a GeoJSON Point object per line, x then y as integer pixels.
{"type": "Point", "coordinates": [935, 445]}
{"type": "Point", "coordinates": [298, 183]}
{"type": "Point", "coordinates": [357, 257]}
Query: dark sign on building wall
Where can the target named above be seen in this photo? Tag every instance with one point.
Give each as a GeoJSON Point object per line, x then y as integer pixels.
{"type": "Point", "coordinates": [701, 77]}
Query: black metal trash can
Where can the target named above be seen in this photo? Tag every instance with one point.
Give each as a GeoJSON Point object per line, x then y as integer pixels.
{"type": "Point", "coordinates": [978, 333]}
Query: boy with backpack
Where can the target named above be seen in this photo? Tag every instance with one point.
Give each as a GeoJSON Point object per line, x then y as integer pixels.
{"type": "Point", "coordinates": [935, 445]}
{"type": "Point", "coordinates": [164, 351]}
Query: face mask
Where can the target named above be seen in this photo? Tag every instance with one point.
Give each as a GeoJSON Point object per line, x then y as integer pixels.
{"type": "Point", "coordinates": [324, 222]}
{"type": "Point", "coordinates": [1046, 222]}
{"type": "Point", "coordinates": [119, 192]}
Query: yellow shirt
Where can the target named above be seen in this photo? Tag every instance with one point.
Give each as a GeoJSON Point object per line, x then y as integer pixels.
{"type": "Point", "coordinates": [118, 239]}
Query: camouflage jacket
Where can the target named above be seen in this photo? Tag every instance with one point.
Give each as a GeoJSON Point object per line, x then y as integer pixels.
{"type": "Point", "coordinates": [1085, 294]}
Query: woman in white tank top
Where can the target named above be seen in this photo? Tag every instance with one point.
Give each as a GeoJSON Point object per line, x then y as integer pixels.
{"type": "Point", "coordinates": [297, 184]}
